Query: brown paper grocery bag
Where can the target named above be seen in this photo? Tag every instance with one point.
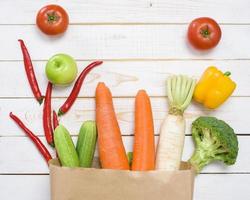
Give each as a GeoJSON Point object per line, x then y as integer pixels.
{"type": "Point", "coordinates": [105, 184]}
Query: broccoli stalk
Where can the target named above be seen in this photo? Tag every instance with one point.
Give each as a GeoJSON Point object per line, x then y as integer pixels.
{"type": "Point", "coordinates": [214, 140]}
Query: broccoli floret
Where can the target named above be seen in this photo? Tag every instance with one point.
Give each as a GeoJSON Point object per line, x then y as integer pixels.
{"type": "Point", "coordinates": [214, 140]}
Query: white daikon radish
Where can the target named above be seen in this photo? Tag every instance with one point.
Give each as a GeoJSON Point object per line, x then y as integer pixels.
{"type": "Point", "coordinates": [170, 146]}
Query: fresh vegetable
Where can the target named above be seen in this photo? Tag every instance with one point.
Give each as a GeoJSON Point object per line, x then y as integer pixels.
{"type": "Point", "coordinates": [214, 88]}
{"type": "Point", "coordinates": [30, 73]}
{"type": "Point", "coordinates": [169, 151]}
{"type": "Point", "coordinates": [204, 33]}
{"type": "Point", "coordinates": [47, 122]}
{"type": "Point", "coordinates": [214, 140]}
{"type": "Point", "coordinates": [61, 69]}
{"type": "Point", "coordinates": [144, 144]}
{"type": "Point", "coordinates": [76, 89]}
{"type": "Point", "coordinates": [52, 20]}
{"type": "Point", "coordinates": [39, 145]}
{"type": "Point", "coordinates": [55, 120]}
{"type": "Point", "coordinates": [86, 143]}
{"type": "Point", "coordinates": [65, 147]}
{"type": "Point", "coordinates": [111, 150]}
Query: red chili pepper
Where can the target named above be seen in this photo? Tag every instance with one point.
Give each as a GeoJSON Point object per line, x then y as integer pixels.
{"type": "Point", "coordinates": [55, 124]}
{"type": "Point", "coordinates": [30, 73]}
{"type": "Point", "coordinates": [47, 122]}
{"type": "Point", "coordinates": [40, 146]}
{"type": "Point", "coordinates": [55, 120]}
{"type": "Point", "coordinates": [76, 89]}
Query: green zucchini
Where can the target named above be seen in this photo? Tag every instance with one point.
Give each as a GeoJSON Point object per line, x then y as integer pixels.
{"type": "Point", "coordinates": [65, 147]}
{"type": "Point", "coordinates": [86, 143]}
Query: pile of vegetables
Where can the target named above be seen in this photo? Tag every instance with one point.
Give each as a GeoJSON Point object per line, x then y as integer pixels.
{"type": "Point", "coordinates": [56, 134]}
{"type": "Point", "coordinates": [214, 139]}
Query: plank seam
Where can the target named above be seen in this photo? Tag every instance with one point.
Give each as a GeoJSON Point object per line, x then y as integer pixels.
{"type": "Point", "coordinates": [123, 135]}
{"type": "Point", "coordinates": [139, 59]}
{"type": "Point", "coordinates": [129, 24]}
{"type": "Point", "coordinates": [92, 97]}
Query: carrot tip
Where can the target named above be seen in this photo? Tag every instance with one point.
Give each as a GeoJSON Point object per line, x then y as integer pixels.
{"type": "Point", "coordinates": [142, 91]}
{"type": "Point", "coordinates": [101, 83]}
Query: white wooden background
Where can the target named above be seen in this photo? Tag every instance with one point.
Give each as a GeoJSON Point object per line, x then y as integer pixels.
{"type": "Point", "coordinates": [142, 42]}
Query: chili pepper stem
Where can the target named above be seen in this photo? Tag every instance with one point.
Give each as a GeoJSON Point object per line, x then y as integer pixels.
{"type": "Point", "coordinates": [52, 144]}
{"type": "Point", "coordinates": [60, 113]}
{"type": "Point", "coordinates": [40, 101]}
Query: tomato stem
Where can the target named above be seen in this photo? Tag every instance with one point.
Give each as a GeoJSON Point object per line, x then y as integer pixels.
{"type": "Point", "coordinates": [205, 32]}
{"type": "Point", "coordinates": [52, 17]}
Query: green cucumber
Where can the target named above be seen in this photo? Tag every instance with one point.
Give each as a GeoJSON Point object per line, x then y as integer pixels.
{"type": "Point", "coordinates": [86, 143]}
{"type": "Point", "coordinates": [65, 147]}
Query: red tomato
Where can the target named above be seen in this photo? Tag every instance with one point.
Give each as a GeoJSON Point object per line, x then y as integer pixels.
{"type": "Point", "coordinates": [204, 33]}
{"type": "Point", "coordinates": [52, 19]}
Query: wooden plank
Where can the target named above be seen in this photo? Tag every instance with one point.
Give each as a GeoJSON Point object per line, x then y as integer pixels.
{"type": "Point", "coordinates": [122, 42]}
{"type": "Point", "coordinates": [218, 186]}
{"type": "Point", "coordinates": [21, 156]}
{"type": "Point", "coordinates": [207, 187]}
{"type": "Point", "coordinates": [124, 78]}
{"type": "Point", "coordinates": [143, 11]}
{"type": "Point", "coordinates": [25, 187]}
{"type": "Point", "coordinates": [235, 111]}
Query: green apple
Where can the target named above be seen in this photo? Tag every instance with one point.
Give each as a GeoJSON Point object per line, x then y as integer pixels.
{"type": "Point", "coordinates": [61, 69]}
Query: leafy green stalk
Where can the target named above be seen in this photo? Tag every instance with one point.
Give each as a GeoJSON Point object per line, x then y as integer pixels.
{"type": "Point", "coordinates": [206, 151]}
{"type": "Point", "coordinates": [180, 91]}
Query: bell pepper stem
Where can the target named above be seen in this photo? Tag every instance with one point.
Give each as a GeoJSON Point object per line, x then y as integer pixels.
{"type": "Point", "coordinates": [227, 73]}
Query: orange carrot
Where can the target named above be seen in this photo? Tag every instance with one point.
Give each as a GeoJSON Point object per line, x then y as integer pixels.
{"type": "Point", "coordinates": [144, 145]}
{"type": "Point", "coordinates": [111, 150]}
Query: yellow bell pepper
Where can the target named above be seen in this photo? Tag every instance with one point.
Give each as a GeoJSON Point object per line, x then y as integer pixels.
{"type": "Point", "coordinates": [214, 88]}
